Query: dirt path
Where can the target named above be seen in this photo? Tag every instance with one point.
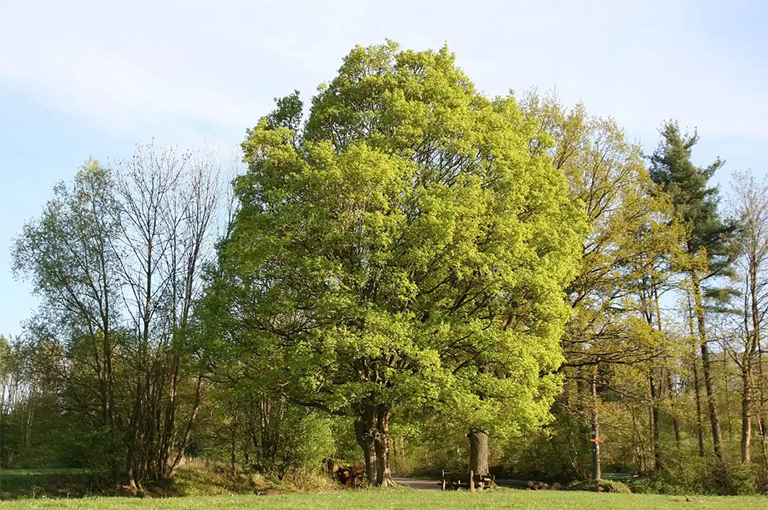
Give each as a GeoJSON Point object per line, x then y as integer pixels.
{"type": "Point", "coordinates": [413, 483]}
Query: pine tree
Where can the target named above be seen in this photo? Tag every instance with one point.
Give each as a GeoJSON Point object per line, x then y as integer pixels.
{"type": "Point", "coordinates": [707, 240]}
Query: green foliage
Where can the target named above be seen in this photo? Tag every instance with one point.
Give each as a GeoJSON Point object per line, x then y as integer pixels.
{"type": "Point", "coordinates": [600, 486]}
{"type": "Point", "coordinates": [409, 260]}
{"type": "Point", "coordinates": [405, 249]}
{"type": "Point", "coordinates": [694, 200]}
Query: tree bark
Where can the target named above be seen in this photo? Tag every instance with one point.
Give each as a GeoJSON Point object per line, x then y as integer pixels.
{"type": "Point", "coordinates": [673, 410]}
{"type": "Point", "coordinates": [657, 462]}
{"type": "Point", "coordinates": [746, 418]}
{"type": "Point", "coordinates": [365, 433]}
{"type": "Point", "coordinates": [383, 470]}
{"type": "Point", "coordinates": [696, 383]}
{"type": "Point", "coordinates": [706, 365]}
{"type": "Point", "coordinates": [596, 469]}
{"type": "Point", "coordinates": [478, 451]}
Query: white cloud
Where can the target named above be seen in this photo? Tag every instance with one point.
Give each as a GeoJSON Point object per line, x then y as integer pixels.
{"type": "Point", "coordinates": [141, 66]}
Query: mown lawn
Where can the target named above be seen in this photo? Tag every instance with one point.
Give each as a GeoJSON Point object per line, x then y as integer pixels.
{"type": "Point", "coordinates": [57, 482]}
{"type": "Point", "coordinates": [375, 499]}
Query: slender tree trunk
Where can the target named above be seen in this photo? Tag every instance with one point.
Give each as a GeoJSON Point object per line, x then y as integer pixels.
{"type": "Point", "coordinates": [706, 365]}
{"type": "Point", "coordinates": [699, 420]}
{"type": "Point", "coordinates": [696, 383]}
{"type": "Point", "coordinates": [754, 353]}
{"type": "Point", "coordinates": [596, 471]}
{"type": "Point", "coordinates": [727, 392]}
{"type": "Point", "coordinates": [673, 410]}
{"type": "Point", "coordinates": [233, 447]}
{"type": "Point", "coordinates": [132, 438]}
{"type": "Point", "coordinates": [478, 451]}
{"type": "Point", "coordinates": [762, 419]}
{"type": "Point", "coordinates": [655, 433]}
{"type": "Point", "coordinates": [188, 429]}
{"type": "Point", "coordinates": [746, 418]}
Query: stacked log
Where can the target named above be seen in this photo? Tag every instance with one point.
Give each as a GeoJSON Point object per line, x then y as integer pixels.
{"type": "Point", "coordinates": [529, 484]}
{"type": "Point", "coordinates": [349, 476]}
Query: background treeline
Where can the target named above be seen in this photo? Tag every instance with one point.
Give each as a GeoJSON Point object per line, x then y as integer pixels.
{"type": "Point", "coordinates": [407, 274]}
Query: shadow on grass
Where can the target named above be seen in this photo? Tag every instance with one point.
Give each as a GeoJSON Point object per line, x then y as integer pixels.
{"type": "Point", "coordinates": [189, 481]}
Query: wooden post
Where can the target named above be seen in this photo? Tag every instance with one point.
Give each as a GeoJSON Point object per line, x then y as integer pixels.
{"type": "Point", "coordinates": [471, 481]}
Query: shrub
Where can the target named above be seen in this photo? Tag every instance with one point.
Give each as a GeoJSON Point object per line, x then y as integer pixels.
{"type": "Point", "coordinates": [599, 486]}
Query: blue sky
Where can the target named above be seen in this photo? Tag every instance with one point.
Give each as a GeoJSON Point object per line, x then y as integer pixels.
{"type": "Point", "coordinates": [80, 79]}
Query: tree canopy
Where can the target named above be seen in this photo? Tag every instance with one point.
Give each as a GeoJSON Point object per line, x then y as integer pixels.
{"type": "Point", "coordinates": [405, 249]}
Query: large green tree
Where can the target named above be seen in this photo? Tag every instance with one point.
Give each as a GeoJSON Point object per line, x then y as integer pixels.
{"type": "Point", "coordinates": [404, 250]}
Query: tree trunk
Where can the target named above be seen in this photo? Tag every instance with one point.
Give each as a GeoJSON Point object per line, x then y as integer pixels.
{"type": "Point", "coordinates": [696, 384]}
{"type": "Point", "coordinates": [699, 420]}
{"type": "Point", "coordinates": [365, 433]}
{"type": "Point", "coordinates": [762, 418]}
{"type": "Point", "coordinates": [478, 451]}
{"type": "Point", "coordinates": [746, 417]}
{"type": "Point", "coordinates": [233, 448]}
{"type": "Point", "coordinates": [657, 463]}
{"type": "Point", "coordinates": [383, 470]}
{"type": "Point", "coordinates": [706, 365]}
{"type": "Point", "coordinates": [673, 410]}
{"type": "Point", "coordinates": [188, 430]}
{"type": "Point", "coordinates": [596, 470]}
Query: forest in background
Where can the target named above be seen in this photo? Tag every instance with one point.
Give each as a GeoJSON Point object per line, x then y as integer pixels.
{"type": "Point", "coordinates": [406, 274]}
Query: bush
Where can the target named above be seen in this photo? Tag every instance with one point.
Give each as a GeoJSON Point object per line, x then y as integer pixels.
{"type": "Point", "coordinates": [599, 486]}
{"type": "Point", "coordinates": [703, 477]}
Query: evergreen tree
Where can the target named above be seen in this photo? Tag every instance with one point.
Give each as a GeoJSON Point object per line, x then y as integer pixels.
{"type": "Point", "coordinates": [707, 239]}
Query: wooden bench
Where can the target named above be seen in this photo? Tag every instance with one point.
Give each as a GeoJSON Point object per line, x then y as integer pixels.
{"type": "Point", "coordinates": [619, 477]}
{"type": "Point", "coordinates": [471, 481]}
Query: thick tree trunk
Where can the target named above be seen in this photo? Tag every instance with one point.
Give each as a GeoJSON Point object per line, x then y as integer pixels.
{"type": "Point", "coordinates": [383, 470]}
{"type": "Point", "coordinates": [365, 433]}
{"type": "Point", "coordinates": [478, 451]}
{"type": "Point", "coordinates": [706, 364]}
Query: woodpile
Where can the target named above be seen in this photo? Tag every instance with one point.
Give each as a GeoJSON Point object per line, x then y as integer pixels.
{"type": "Point", "coordinates": [530, 485]}
{"type": "Point", "coordinates": [348, 476]}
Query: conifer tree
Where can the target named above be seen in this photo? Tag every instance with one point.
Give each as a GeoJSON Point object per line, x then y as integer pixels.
{"type": "Point", "coordinates": [707, 239]}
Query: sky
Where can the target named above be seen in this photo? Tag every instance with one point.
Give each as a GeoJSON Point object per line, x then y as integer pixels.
{"type": "Point", "coordinates": [82, 79]}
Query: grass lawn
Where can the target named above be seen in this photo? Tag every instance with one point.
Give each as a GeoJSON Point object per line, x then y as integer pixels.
{"type": "Point", "coordinates": [376, 499]}
{"type": "Point", "coordinates": [56, 482]}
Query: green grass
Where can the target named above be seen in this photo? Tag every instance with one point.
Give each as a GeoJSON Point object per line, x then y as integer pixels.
{"type": "Point", "coordinates": [410, 498]}
{"type": "Point", "coordinates": [50, 482]}
{"type": "Point", "coordinates": [6, 473]}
